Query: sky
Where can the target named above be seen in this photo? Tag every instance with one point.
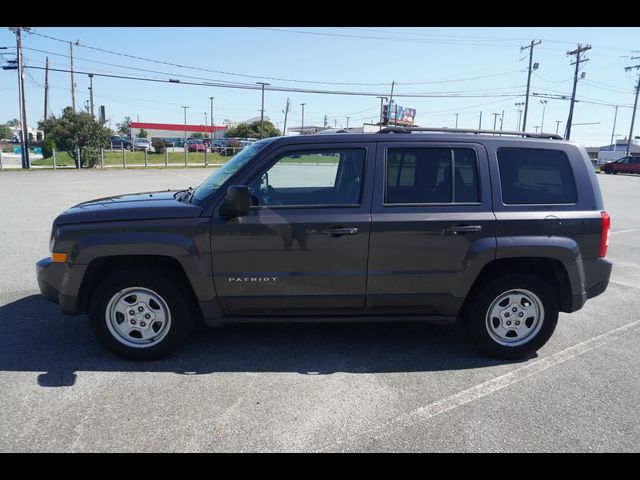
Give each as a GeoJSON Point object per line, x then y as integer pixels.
{"type": "Point", "coordinates": [468, 69]}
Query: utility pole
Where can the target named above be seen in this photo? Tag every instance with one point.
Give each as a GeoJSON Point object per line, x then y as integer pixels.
{"type": "Point", "coordinates": [531, 68]}
{"type": "Point", "coordinates": [613, 132]}
{"type": "Point", "coordinates": [91, 92]}
{"type": "Point", "coordinates": [501, 120]}
{"type": "Point", "coordinates": [381, 116]}
{"type": "Point", "coordinates": [302, 128]}
{"type": "Point", "coordinates": [480, 123]}
{"type": "Point", "coordinates": [46, 87]}
{"type": "Point", "coordinates": [262, 109]}
{"type": "Point", "coordinates": [635, 106]}
{"type": "Point", "coordinates": [348, 122]}
{"type": "Point", "coordinates": [495, 118]}
{"type": "Point", "coordinates": [286, 113]}
{"type": "Point", "coordinates": [577, 52]}
{"type": "Point", "coordinates": [325, 120]}
{"type": "Point", "coordinates": [211, 120]}
{"type": "Point", "coordinates": [73, 85]}
{"type": "Point", "coordinates": [335, 123]}
{"type": "Point", "coordinates": [457, 119]}
{"type": "Point", "coordinates": [558, 122]}
{"type": "Point", "coordinates": [390, 102]}
{"type": "Point", "coordinates": [24, 144]}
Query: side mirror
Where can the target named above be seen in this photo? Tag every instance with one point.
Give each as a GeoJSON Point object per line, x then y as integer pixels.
{"type": "Point", "coordinates": [236, 202]}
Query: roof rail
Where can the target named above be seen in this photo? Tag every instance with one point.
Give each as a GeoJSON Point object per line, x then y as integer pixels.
{"type": "Point", "coordinates": [553, 136]}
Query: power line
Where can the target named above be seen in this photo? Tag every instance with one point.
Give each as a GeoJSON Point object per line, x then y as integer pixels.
{"type": "Point", "coordinates": [135, 57]}
{"type": "Point", "coordinates": [287, 89]}
{"type": "Point", "coordinates": [250, 76]}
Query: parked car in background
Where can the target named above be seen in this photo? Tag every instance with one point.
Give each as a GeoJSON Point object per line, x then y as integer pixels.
{"type": "Point", "coordinates": [195, 145]}
{"type": "Point", "coordinates": [118, 141]}
{"type": "Point", "coordinates": [142, 144]}
{"type": "Point", "coordinates": [623, 165]}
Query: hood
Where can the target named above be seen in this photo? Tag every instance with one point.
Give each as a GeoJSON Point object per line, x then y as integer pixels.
{"type": "Point", "coordinates": [137, 206]}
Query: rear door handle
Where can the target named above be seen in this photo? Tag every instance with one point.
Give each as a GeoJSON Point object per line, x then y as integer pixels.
{"type": "Point", "coordinates": [338, 231]}
{"type": "Point", "coordinates": [463, 229]}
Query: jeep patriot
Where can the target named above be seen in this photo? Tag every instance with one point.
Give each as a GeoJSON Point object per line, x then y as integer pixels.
{"type": "Point", "coordinates": [501, 232]}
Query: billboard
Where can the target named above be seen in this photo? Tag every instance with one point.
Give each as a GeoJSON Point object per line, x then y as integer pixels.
{"type": "Point", "coordinates": [400, 115]}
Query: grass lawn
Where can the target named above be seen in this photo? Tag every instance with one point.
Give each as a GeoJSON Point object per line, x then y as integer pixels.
{"type": "Point", "coordinates": [136, 159]}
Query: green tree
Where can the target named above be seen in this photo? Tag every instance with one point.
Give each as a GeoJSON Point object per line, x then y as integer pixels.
{"type": "Point", "coordinates": [14, 123]}
{"type": "Point", "coordinates": [77, 130]}
{"type": "Point", "coordinates": [5, 132]}
{"type": "Point", "coordinates": [252, 130]}
{"type": "Point", "coordinates": [38, 136]}
{"type": "Point", "coordinates": [197, 135]}
{"type": "Point", "coordinates": [143, 133]}
{"type": "Point", "coordinates": [124, 126]}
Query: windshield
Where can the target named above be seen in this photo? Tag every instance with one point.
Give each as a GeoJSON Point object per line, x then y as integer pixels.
{"type": "Point", "coordinates": [221, 175]}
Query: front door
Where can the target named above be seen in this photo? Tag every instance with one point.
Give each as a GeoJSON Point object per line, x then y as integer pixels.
{"type": "Point", "coordinates": [432, 226]}
{"type": "Point", "coordinates": [303, 247]}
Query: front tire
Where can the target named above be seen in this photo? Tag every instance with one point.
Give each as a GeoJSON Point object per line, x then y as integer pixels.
{"type": "Point", "coordinates": [512, 316]}
{"type": "Point", "coordinates": [140, 314]}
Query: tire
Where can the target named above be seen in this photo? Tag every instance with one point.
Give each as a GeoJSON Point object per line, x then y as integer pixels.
{"type": "Point", "coordinates": [607, 171]}
{"type": "Point", "coordinates": [491, 334]}
{"type": "Point", "coordinates": [163, 313]}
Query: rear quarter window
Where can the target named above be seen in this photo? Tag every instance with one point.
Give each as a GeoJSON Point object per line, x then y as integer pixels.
{"type": "Point", "coordinates": [535, 176]}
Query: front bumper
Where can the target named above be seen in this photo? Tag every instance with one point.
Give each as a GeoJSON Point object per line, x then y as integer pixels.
{"type": "Point", "coordinates": [60, 283]}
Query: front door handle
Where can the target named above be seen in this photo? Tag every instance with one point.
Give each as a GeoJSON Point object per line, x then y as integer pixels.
{"type": "Point", "coordinates": [463, 229]}
{"type": "Point", "coordinates": [338, 231]}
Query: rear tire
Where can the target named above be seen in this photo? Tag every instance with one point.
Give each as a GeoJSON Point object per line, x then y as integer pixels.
{"type": "Point", "coordinates": [141, 314]}
{"type": "Point", "coordinates": [512, 316]}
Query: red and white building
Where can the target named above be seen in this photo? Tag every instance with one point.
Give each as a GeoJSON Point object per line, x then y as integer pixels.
{"type": "Point", "coordinates": [173, 131]}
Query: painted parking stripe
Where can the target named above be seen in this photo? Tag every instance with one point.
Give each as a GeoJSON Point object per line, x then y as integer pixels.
{"type": "Point", "coordinates": [486, 388]}
{"type": "Point", "coordinates": [624, 231]}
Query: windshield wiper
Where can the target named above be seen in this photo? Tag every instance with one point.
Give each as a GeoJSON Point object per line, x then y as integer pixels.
{"type": "Point", "coordinates": [181, 195]}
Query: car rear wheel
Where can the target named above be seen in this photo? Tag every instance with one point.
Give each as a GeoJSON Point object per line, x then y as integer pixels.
{"type": "Point", "coordinates": [141, 314]}
{"type": "Point", "coordinates": [512, 316]}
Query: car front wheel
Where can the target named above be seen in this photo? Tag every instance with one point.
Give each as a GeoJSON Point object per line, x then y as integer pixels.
{"type": "Point", "coordinates": [512, 316]}
{"type": "Point", "coordinates": [140, 314]}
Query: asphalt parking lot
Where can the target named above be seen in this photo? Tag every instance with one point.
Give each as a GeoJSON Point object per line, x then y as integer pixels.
{"type": "Point", "coordinates": [356, 387]}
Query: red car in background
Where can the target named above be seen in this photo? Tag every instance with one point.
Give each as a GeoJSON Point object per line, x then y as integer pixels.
{"type": "Point", "coordinates": [623, 165]}
{"type": "Point", "coordinates": [195, 145]}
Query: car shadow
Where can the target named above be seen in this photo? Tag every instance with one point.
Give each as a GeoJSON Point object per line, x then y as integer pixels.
{"type": "Point", "coordinates": [36, 337]}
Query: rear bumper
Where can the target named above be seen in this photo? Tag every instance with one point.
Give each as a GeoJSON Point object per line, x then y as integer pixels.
{"type": "Point", "coordinates": [597, 273]}
{"type": "Point", "coordinates": [60, 283]}
{"type": "Point", "coordinates": [595, 279]}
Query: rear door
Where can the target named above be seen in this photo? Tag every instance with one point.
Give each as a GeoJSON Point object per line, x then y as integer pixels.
{"type": "Point", "coordinates": [303, 247]}
{"type": "Point", "coordinates": [432, 226]}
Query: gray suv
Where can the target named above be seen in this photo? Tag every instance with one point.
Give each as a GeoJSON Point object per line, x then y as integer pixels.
{"type": "Point", "coordinates": [501, 232]}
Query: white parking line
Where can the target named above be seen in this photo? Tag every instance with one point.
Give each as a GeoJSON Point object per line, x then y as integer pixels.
{"type": "Point", "coordinates": [486, 388]}
{"type": "Point", "coordinates": [624, 231]}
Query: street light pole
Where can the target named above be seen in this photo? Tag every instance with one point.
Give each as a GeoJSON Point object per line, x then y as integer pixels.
{"type": "Point", "coordinates": [211, 118]}
{"type": "Point", "coordinates": [302, 128]}
{"type": "Point", "coordinates": [558, 122]}
{"type": "Point", "coordinates": [544, 107]}
{"type": "Point", "coordinates": [495, 118]}
{"type": "Point", "coordinates": [185, 123]}
{"type": "Point", "coordinates": [24, 141]}
{"type": "Point", "coordinates": [457, 119]}
{"type": "Point", "coordinates": [262, 109]}
{"type": "Point", "coordinates": [613, 132]}
{"type": "Point", "coordinates": [381, 107]}
{"type": "Point", "coordinates": [348, 122]}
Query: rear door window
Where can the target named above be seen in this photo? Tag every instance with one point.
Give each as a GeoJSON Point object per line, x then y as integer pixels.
{"type": "Point", "coordinates": [535, 176]}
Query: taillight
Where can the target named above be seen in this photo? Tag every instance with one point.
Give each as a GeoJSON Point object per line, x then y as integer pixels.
{"type": "Point", "coordinates": [604, 239]}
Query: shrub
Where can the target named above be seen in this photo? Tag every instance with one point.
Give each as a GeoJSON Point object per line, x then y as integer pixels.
{"type": "Point", "coordinates": [158, 146]}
